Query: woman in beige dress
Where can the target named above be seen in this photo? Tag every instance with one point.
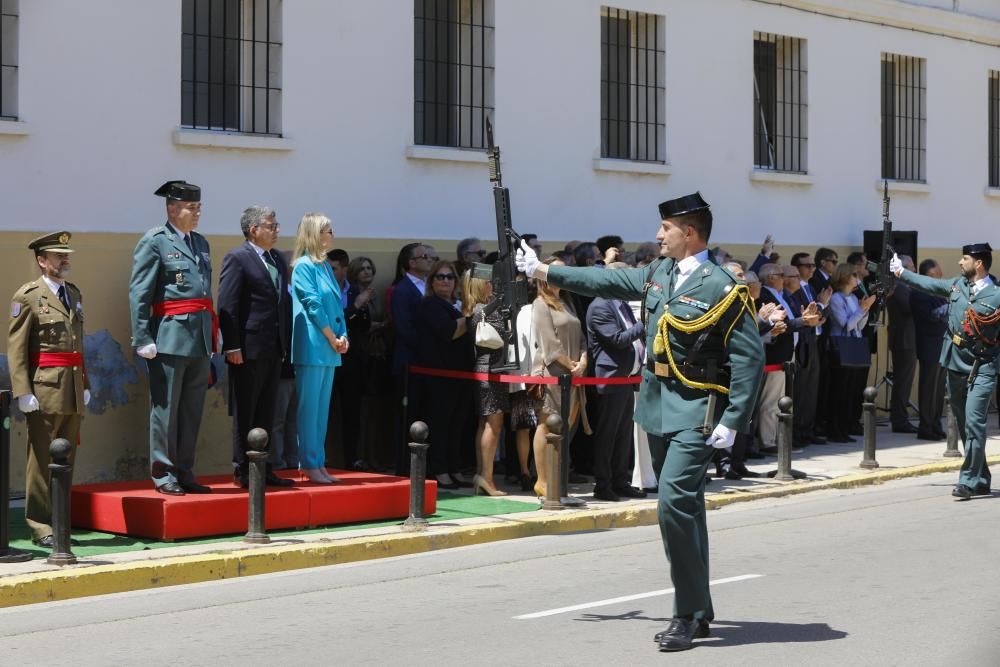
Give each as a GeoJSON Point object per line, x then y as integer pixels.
{"type": "Point", "coordinates": [559, 349]}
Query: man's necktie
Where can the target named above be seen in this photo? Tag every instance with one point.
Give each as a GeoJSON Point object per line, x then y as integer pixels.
{"type": "Point", "coordinates": [190, 243]}
{"type": "Point", "coordinates": [638, 343]}
{"type": "Point", "coordinates": [272, 269]}
{"type": "Point", "coordinates": [64, 297]}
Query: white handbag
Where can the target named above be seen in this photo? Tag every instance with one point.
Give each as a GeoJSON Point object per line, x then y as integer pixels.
{"type": "Point", "coordinates": [487, 336]}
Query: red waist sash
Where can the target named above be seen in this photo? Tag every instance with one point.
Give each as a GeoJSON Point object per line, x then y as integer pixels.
{"type": "Point", "coordinates": [185, 306]}
{"type": "Point", "coordinates": [56, 359]}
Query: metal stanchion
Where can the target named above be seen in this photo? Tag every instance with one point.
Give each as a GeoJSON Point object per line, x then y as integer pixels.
{"type": "Point", "coordinates": [868, 417]}
{"type": "Point", "coordinates": [553, 452]}
{"type": "Point", "coordinates": [418, 475]}
{"type": "Point", "coordinates": [565, 395]}
{"type": "Point", "coordinates": [257, 454]}
{"type": "Point", "coordinates": [7, 555]}
{"type": "Point", "coordinates": [61, 475]}
{"type": "Point", "coordinates": [951, 450]}
{"type": "Point", "coordinates": [785, 473]}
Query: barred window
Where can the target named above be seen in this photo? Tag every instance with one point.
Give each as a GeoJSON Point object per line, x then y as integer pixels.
{"type": "Point", "coordinates": [904, 117]}
{"type": "Point", "coordinates": [633, 85]}
{"type": "Point", "coordinates": [8, 59]}
{"type": "Point", "coordinates": [993, 93]}
{"type": "Point", "coordinates": [231, 66]}
{"type": "Point", "coordinates": [453, 72]}
{"type": "Point", "coordinates": [780, 105]}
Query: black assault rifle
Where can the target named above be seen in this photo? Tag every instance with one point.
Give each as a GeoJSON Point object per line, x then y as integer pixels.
{"type": "Point", "coordinates": [884, 281]}
{"type": "Point", "coordinates": [509, 293]}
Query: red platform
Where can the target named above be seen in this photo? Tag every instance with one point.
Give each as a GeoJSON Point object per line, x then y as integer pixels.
{"type": "Point", "coordinates": [137, 510]}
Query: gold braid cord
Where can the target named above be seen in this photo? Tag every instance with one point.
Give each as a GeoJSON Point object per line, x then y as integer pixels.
{"type": "Point", "coordinates": [661, 343]}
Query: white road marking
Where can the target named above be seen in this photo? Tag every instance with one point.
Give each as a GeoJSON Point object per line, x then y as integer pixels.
{"type": "Point", "coordinates": [626, 598]}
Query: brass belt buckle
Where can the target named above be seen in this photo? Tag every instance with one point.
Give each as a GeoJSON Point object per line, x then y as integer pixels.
{"type": "Point", "coordinates": [661, 370]}
{"type": "Point", "coordinates": [956, 339]}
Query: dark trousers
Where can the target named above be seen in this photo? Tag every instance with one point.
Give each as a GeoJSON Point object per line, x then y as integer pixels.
{"type": "Point", "coordinates": [253, 393]}
{"type": "Point", "coordinates": [970, 406]}
{"type": "Point", "coordinates": [807, 374]}
{"type": "Point", "coordinates": [613, 440]}
{"type": "Point", "coordinates": [445, 404]}
{"type": "Point", "coordinates": [348, 390]}
{"type": "Point", "coordinates": [846, 387]}
{"type": "Point", "coordinates": [401, 416]}
{"type": "Point", "coordinates": [930, 396]}
{"type": "Point", "coordinates": [823, 384]}
{"type": "Point", "coordinates": [904, 366]}
{"type": "Point", "coordinates": [680, 461]}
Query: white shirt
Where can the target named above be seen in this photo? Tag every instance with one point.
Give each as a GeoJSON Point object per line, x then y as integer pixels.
{"type": "Point", "coordinates": [686, 267]}
{"type": "Point", "coordinates": [985, 281]}
{"type": "Point", "coordinates": [637, 345]}
{"type": "Point", "coordinates": [419, 283]}
{"type": "Point", "coordinates": [54, 286]}
{"type": "Point", "coordinates": [184, 240]}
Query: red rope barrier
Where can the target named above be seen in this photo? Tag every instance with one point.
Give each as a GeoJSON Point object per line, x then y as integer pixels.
{"type": "Point", "coordinates": [517, 379]}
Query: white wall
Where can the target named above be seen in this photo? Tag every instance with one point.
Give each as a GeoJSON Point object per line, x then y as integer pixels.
{"type": "Point", "coordinates": [100, 112]}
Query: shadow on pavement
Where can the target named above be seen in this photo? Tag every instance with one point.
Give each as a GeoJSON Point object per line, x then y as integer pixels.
{"type": "Point", "coordinates": [741, 633]}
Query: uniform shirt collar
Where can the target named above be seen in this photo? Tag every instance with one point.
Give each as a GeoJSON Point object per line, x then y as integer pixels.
{"type": "Point", "coordinates": [53, 285]}
{"type": "Point", "coordinates": [177, 231]}
{"type": "Point", "coordinates": [687, 265]}
{"type": "Point", "coordinates": [985, 281]}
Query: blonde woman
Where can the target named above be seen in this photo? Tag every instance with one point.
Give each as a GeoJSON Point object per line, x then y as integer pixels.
{"type": "Point", "coordinates": [492, 398]}
{"type": "Point", "coordinates": [319, 337]}
{"type": "Point", "coordinates": [559, 349]}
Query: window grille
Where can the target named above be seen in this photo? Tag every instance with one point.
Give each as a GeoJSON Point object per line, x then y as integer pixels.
{"type": "Point", "coordinates": [8, 59]}
{"type": "Point", "coordinates": [993, 92]}
{"type": "Point", "coordinates": [780, 118]}
{"type": "Point", "coordinates": [231, 66]}
{"type": "Point", "coordinates": [453, 72]}
{"type": "Point", "coordinates": [904, 117]}
{"type": "Point", "coordinates": [633, 85]}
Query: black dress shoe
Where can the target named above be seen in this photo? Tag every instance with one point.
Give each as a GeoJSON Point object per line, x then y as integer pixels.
{"type": "Point", "coordinates": [194, 487]}
{"type": "Point", "coordinates": [924, 435]}
{"type": "Point", "coordinates": [904, 428]}
{"type": "Point", "coordinates": [857, 429]}
{"type": "Point", "coordinates": [702, 631]}
{"type": "Point", "coordinates": [941, 435]}
{"type": "Point", "coordinates": [274, 480]}
{"type": "Point", "coordinates": [171, 489]}
{"type": "Point", "coordinates": [769, 450]}
{"type": "Point", "coordinates": [742, 471]}
{"type": "Point", "coordinates": [962, 492]}
{"type": "Point", "coordinates": [462, 484]}
{"type": "Point", "coordinates": [450, 485]}
{"type": "Point", "coordinates": [605, 494]}
{"type": "Point", "coordinates": [241, 480]}
{"type": "Point", "coordinates": [733, 475]}
{"type": "Point", "coordinates": [629, 492]}
{"type": "Point", "coordinates": [680, 633]}
{"type": "Point", "coordinates": [651, 490]}
{"type": "Point", "coordinates": [841, 438]}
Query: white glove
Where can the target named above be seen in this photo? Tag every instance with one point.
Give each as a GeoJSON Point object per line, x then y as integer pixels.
{"type": "Point", "coordinates": [767, 247]}
{"type": "Point", "coordinates": [722, 437]}
{"type": "Point", "coordinates": [146, 351]}
{"type": "Point", "coordinates": [526, 260]}
{"type": "Point", "coordinates": [86, 396]}
{"type": "Point", "coordinates": [27, 403]}
{"type": "Point", "coordinates": [895, 265]}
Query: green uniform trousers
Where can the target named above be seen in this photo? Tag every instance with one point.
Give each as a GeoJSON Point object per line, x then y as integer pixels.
{"type": "Point", "coordinates": [43, 428]}
{"type": "Point", "coordinates": [969, 405]}
{"type": "Point", "coordinates": [680, 461]}
{"type": "Point", "coordinates": [177, 387]}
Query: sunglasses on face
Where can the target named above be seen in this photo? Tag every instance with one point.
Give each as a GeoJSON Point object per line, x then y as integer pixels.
{"type": "Point", "coordinates": [444, 276]}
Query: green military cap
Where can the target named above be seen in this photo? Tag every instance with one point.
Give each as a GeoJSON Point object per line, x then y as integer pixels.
{"type": "Point", "coordinates": [179, 191]}
{"type": "Point", "coordinates": [54, 242]}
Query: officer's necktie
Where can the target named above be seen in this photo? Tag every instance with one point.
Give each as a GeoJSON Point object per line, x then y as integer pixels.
{"type": "Point", "coordinates": [190, 244]}
{"type": "Point", "coordinates": [64, 297]}
{"type": "Point", "coordinates": [273, 270]}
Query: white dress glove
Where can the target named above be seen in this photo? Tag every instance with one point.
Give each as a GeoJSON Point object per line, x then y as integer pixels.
{"type": "Point", "coordinates": [146, 351]}
{"type": "Point", "coordinates": [895, 265]}
{"type": "Point", "coordinates": [27, 403]}
{"type": "Point", "coordinates": [722, 437]}
{"type": "Point", "coordinates": [86, 396]}
{"type": "Point", "coordinates": [526, 259]}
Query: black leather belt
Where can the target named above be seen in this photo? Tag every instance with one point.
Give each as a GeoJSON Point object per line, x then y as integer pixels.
{"type": "Point", "coordinates": [695, 373]}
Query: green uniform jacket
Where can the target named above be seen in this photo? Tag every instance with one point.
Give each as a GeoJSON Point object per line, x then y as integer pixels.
{"type": "Point", "coordinates": [666, 405]}
{"type": "Point", "coordinates": [39, 322]}
{"type": "Point", "coordinates": [959, 294]}
{"type": "Point", "coordinates": [164, 269]}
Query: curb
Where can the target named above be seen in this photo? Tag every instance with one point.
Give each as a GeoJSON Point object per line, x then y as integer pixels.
{"type": "Point", "coordinates": [89, 580]}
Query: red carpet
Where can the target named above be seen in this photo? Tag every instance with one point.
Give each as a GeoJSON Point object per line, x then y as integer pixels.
{"type": "Point", "coordinates": [136, 509]}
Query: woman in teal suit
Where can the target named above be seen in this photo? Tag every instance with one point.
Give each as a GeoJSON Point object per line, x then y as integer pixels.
{"type": "Point", "coordinates": [319, 337]}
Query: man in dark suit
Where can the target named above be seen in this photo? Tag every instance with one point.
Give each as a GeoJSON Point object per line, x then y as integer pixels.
{"type": "Point", "coordinates": [930, 321]}
{"type": "Point", "coordinates": [826, 261]}
{"type": "Point", "coordinates": [808, 363]}
{"type": "Point", "coordinates": [616, 348]}
{"type": "Point", "coordinates": [255, 318]}
{"type": "Point", "coordinates": [903, 348]}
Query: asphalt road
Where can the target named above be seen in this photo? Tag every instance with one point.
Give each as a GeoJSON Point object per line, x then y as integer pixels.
{"type": "Point", "coordinates": [898, 574]}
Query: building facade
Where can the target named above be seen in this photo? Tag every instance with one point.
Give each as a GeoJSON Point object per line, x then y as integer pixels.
{"type": "Point", "coordinates": [788, 115]}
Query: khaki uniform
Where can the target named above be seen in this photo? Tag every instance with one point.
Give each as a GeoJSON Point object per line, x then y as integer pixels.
{"type": "Point", "coordinates": [40, 323]}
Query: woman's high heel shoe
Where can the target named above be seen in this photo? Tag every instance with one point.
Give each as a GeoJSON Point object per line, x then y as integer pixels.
{"type": "Point", "coordinates": [480, 484]}
{"type": "Point", "coordinates": [540, 489]}
{"type": "Point", "coordinates": [314, 475]}
{"type": "Point", "coordinates": [331, 478]}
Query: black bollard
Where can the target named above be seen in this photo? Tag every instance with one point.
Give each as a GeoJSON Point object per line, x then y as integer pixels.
{"type": "Point", "coordinates": [951, 449]}
{"type": "Point", "coordinates": [784, 472]}
{"type": "Point", "coordinates": [7, 555]}
{"type": "Point", "coordinates": [553, 451]}
{"type": "Point", "coordinates": [61, 476]}
{"type": "Point", "coordinates": [565, 395]}
{"type": "Point", "coordinates": [418, 475]}
{"type": "Point", "coordinates": [257, 440]}
{"type": "Point", "coordinates": [868, 417]}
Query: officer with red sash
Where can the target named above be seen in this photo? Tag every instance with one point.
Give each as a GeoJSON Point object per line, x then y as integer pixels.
{"type": "Point", "coordinates": [45, 354]}
{"type": "Point", "coordinates": [175, 329]}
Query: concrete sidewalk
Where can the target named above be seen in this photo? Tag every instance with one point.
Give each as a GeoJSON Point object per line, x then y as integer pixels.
{"type": "Point", "coordinates": [827, 466]}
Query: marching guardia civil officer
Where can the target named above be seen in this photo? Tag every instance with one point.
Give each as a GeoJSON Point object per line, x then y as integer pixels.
{"type": "Point", "coordinates": [698, 388]}
{"type": "Point", "coordinates": [969, 353]}
{"type": "Point", "coordinates": [175, 329]}
{"type": "Point", "coordinates": [45, 354]}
